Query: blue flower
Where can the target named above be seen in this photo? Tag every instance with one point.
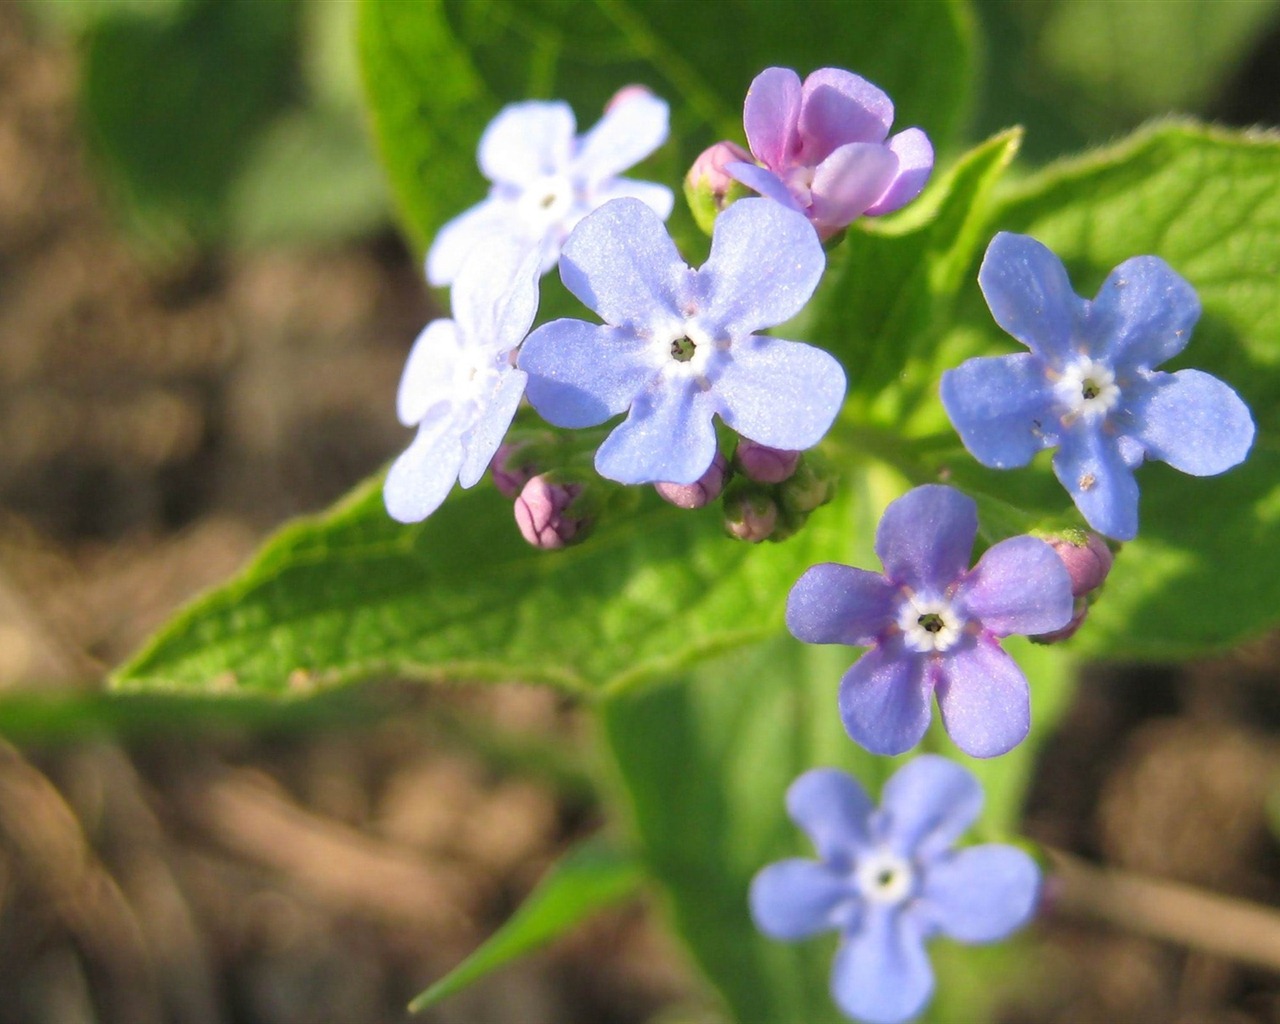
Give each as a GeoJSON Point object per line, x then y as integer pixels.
{"type": "Point", "coordinates": [459, 386]}
{"type": "Point", "coordinates": [678, 345]}
{"type": "Point", "coordinates": [545, 179]}
{"type": "Point", "coordinates": [934, 626]}
{"type": "Point", "coordinates": [1088, 387]}
{"type": "Point", "coordinates": [889, 879]}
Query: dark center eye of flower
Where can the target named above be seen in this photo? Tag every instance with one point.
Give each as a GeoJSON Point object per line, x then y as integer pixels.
{"type": "Point", "coordinates": [548, 200]}
{"type": "Point", "coordinates": [884, 877]}
{"type": "Point", "coordinates": [931, 622]}
{"type": "Point", "coordinates": [1089, 389]}
{"type": "Point", "coordinates": [682, 350]}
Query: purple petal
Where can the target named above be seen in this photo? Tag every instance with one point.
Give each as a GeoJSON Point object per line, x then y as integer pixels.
{"type": "Point", "coordinates": [834, 811]}
{"type": "Point", "coordinates": [421, 478]}
{"type": "Point", "coordinates": [771, 116]}
{"type": "Point", "coordinates": [915, 163]}
{"type": "Point", "coordinates": [1002, 407]}
{"type": "Point", "coordinates": [765, 182]}
{"type": "Point", "coordinates": [668, 437]}
{"type": "Point", "coordinates": [526, 141]}
{"type": "Point", "coordinates": [1030, 296]}
{"type": "Point", "coordinates": [489, 223]}
{"type": "Point", "coordinates": [427, 379]}
{"type": "Point", "coordinates": [658, 198]}
{"type": "Point", "coordinates": [1018, 586]}
{"type": "Point", "coordinates": [1143, 314]}
{"type": "Point", "coordinates": [839, 107]}
{"type": "Point", "coordinates": [848, 181]}
{"type": "Point", "coordinates": [1193, 421]}
{"type": "Point", "coordinates": [484, 438]}
{"type": "Point", "coordinates": [765, 263]}
{"type": "Point", "coordinates": [580, 374]}
{"type": "Point", "coordinates": [928, 804]}
{"type": "Point", "coordinates": [621, 263]}
{"type": "Point", "coordinates": [884, 699]}
{"type": "Point", "coordinates": [1090, 467]}
{"type": "Point", "coordinates": [495, 296]}
{"type": "Point", "coordinates": [982, 893]}
{"type": "Point", "coordinates": [925, 537]}
{"type": "Point", "coordinates": [794, 899]}
{"type": "Point", "coordinates": [624, 136]}
{"type": "Point", "coordinates": [837, 604]}
{"type": "Point", "coordinates": [881, 974]}
{"type": "Point", "coordinates": [984, 699]}
{"type": "Point", "coordinates": [783, 394]}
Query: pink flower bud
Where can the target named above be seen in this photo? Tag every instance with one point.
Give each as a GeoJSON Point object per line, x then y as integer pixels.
{"type": "Point", "coordinates": [708, 173]}
{"type": "Point", "coordinates": [750, 515]}
{"type": "Point", "coordinates": [543, 513]}
{"type": "Point", "coordinates": [628, 92]}
{"type": "Point", "coordinates": [763, 464]}
{"type": "Point", "coordinates": [1087, 558]}
{"type": "Point", "coordinates": [510, 472]}
{"type": "Point", "coordinates": [702, 491]}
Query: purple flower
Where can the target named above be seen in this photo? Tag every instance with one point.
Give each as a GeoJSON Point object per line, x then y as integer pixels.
{"type": "Point", "coordinates": [934, 625]}
{"type": "Point", "coordinates": [823, 150]}
{"type": "Point", "coordinates": [545, 179]}
{"type": "Point", "coordinates": [1087, 386]}
{"type": "Point", "coordinates": [678, 345]}
{"type": "Point", "coordinates": [459, 386]}
{"type": "Point", "coordinates": [888, 879]}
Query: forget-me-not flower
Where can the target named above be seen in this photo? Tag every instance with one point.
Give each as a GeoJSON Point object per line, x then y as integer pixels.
{"type": "Point", "coordinates": [934, 625]}
{"type": "Point", "coordinates": [823, 147]}
{"type": "Point", "coordinates": [546, 179]}
{"type": "Point", "coordinates": [678, 346]}
{"type": "Point", "coordinates": [1088, 387]}
{"type": "Point", "coordinates": [888, 879]}
{"type": "Point", "coordinates": [459, 387]}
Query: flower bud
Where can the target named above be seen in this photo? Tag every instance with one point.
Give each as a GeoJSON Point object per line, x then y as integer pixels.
{"type": "Point", "coordinates": [627, 92]}
{"type": "Point", "coordinates": [510, 471]}
{"type": "Point", "coordinates": [750, 514]}
{"type": "Point", "coordinates": [1088, 560]}
{"type": "Point", "coordinates": [702, 491]}
{"type": "Point", "coordinates": [708, 188]}
{"type": "Point", "coordinates": [545, 513]}
{"type": "Point", "coordinates": [763, 464]}
{"type": "Point", "coordinates": [812, 485]}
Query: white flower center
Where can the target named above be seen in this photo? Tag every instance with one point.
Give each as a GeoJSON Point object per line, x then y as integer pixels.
{"type": "Point", "coordinates": [687, 350]}
{"type": "Point", "coordinates": [884, 877]}
{"type": "Point", "coordinates": [929, 624]}
{"type": "Point", "coordinates": [475, 376]}
{"type": "Point", "coordinates": [548, 200]}
{"type": "Point", "coordinates": [1088, 388]}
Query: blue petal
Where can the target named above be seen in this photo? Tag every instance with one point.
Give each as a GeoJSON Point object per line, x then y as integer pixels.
{"type": "Point", "coordinates": [625, 135]}
{"type": "Point", "coordinates": [580, 374]}
{"type": "Point", "coordinates": [1191, 420]}
{"type": "Point", "coordinates": [1089, 465]}
{"type": "Point", "coordinates": [984, 698]}
{"type": "Point", "coordinates": [834, 811]}
{"type": "Point", "coordinates": [1030, 296]}
{"type": "Point", "coordinates": [491, 222]}
{"type": "Point", "coordinates": [838, 604]}
{"type": "Point", "coordinates": [1002, 407]}
{"type": "Point", "coordinates": [427, 380]}
{"type": "Point", "coordinates": [495, 296]}
{"type": "Point", "coordinates": [765, 263]}
{"type": "Point", "coordinates": [421, 478]}
{"type": "Point", "coordinates": [882, 974]}
{"type": "Point", "coordinates": [763, 181]}
{"type": "Point", "coordinates": [1143, 314]}
{"type": "Point", "coordinates": [928, 804]}
{"type": "Point", "coordinates": [925, 537]}
{"type": "Point", "coordinates": [982, 893]}
{"type": "Point", "coordinates": [783, 394]}
{"type": "Point", "coordinates": [1018, 586]}
{"type": "Point", "coordinates": [658, 198]}
{"type": "Point", "coordinates": [526, 141]}
{"type": "Point", "coordinates": [668, 437]}
{"type": "Point", "coordinates": [794, 899]}
{"type": "Point", "coordinates": [885, 699]}
{"type": "Point", "coordinates": [484, 438]}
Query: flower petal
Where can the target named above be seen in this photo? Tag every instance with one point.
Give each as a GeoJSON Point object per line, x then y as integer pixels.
{"type": "Point", "coordinates": [668, 437]}
{"type": "Point", "coordinates": [882, 974]}
{"type": "Point", "coordinates": [834, 811]}
{"type": "Point", "coordinates": [1029, 294]}
{"type": "Point", "coordinates": [848, 181]}
{"type": "Point", "coordinates": [427, 379]}
{"type": "Point", "coordinates": [487, 224]}
{"type": "Point", "coordinates": [928, 804]}
{"type": "Point", "coordinates": [763, 181]}
{"type": "Point", "coordinates": [484, 438]}
{"type": "Point", "coordinates": [1193, 421]}
{"type": "Point", "coordinates": [1018, 586]}
{"type": "Point", "coordinates": [982, 893]}
{"type": "Point", "coordinates": [1143, 314]}
{"type": "Point", "coordinates": [984, 699]}
{"type": "Point", "coordinates": [495, 296]}
{"type": "Point", "coordinates": [627, 133]}
{"type": "Point", "coordinates": [765, 263]}
{"type": "Point", "coordinates": [784, 394]}
{"type": "Point", "coordinates": [884, 699]}
{"type": "Point", "coordinates": [421, 478]}
{"type": "Point", "coordinates": [526, 141]}
{"type": "Point", "coordinates": [838, 604]}
{"type": "Point", "coordinates": [580, 374]}
{"type": "Point", "coordinates": [925, 537]}
{"type": "Point", "coordinates": [915, 163]}
{"type": "Point", "coordinates": [771, 116]}
{"type": "Point", "coordinates": [621, 263]}
{"type": "Point", "coordinates": [1002, 408]}
{"type": "Point", "coordinates": [1089, 465]}
{"type": "Point", "coordinates": [794, 899]}
{"type": "Point", "coordinates": [838, 107]}
{"type": "Point", "coordinates": [658, 198]}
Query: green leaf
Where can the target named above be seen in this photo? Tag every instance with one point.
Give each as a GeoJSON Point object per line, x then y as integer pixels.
{"type": "Point", "coordinates": [586, 880]}
{"type": "Point", "coordinates": [436, 72]}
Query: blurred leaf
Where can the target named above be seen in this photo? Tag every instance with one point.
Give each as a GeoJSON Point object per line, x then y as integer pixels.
{"type": "Point", "coordinates": [79, 14]}
{"type": "Point", "coordinates": [586, 880]}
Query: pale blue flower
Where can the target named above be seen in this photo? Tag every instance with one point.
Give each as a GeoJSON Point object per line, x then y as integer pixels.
{"type": "Point", "coordinates": [889, 879]}
{"type": "Point", "coordinates": [678, 346]}
{"type": "Point", "coordinates": [1088, 387]}
{"type": "Point", "coordinates": [546, 179]}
